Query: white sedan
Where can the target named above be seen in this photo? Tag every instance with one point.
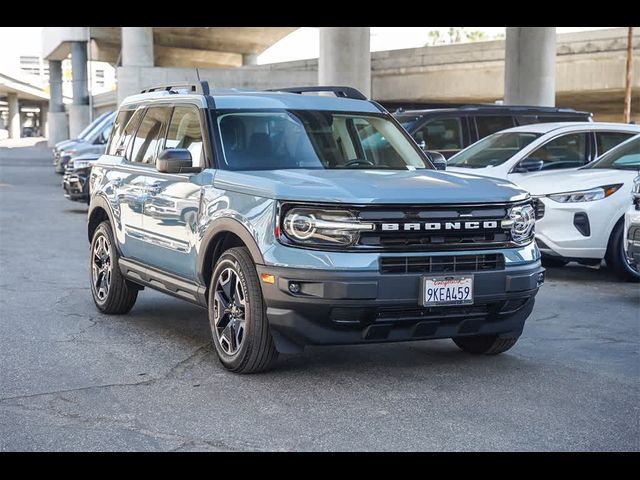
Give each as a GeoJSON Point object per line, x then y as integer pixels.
{"type": "Point", "coordinates": [580, 212]}
{"type": "Point", "coordinates": [517, 153]}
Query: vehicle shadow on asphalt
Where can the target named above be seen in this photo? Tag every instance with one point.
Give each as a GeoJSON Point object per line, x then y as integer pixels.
{"type": "Point", "coordinates": [83, 211]}
{"type": "Point", "coordinates": [180, 321]}
{"type": "Point", "coordinates": [582, 273]}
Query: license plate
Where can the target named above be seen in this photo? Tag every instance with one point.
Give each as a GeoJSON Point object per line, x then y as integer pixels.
{"type": "Point", "coordinates": [449, 290]}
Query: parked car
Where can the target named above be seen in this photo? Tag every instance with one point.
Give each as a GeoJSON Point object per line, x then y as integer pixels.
{"type": "Point", "coordinates": [75, 181]}
{"type": "Point", "coordinates": [84, 133]}
{"type": "Point", "coordinates": [94, 141]}
{"type": "Point", "coordinates": [581, 211]}
{"type": "Point", "coordinates": [449, 130]}
{"type": "Point", "coordinates": [632, 225]}
{"type": "Point", "coordinates": [305, 232]}
{"type": "Point", "coordinates": [517, 152]}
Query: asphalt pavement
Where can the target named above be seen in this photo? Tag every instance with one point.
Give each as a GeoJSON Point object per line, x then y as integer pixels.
{"type": "Point", "coordinates": [74, 379]}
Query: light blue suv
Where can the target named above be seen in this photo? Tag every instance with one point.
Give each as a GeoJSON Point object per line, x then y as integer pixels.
{"type": "Point", "coordinates": [299, 219]}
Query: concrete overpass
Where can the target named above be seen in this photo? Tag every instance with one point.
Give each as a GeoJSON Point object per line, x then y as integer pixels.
{"type": "Point", "coordinates": [582, 70]}
{"type": "Point", "coordinates": [20, 94]}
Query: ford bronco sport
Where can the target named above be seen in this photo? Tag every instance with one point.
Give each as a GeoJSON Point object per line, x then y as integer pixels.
{"type": "Point", "coordinates": [301, 219]}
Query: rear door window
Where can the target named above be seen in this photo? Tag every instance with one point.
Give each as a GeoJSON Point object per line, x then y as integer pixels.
{"type": "Point", "coordinates": [150, 135]}
{"type": "Point", "coordinates": [489, 124]}
{"type": "Point", "coordinates": [441, 134]}
{"type": "Point", "coordinates": [565, 151]}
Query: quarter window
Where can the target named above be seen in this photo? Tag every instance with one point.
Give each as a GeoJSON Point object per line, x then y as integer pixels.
{"type": "Point", "coordinates": [117, 133]}
{"type": "Point", "coordinates": [185, 132]}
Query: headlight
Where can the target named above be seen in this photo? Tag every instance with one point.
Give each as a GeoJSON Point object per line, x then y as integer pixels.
{"type": "Point", "coordinates": [79, 164]}
{"type": "Point", "coordinates": [585, 195]}
{"type": "Point", "coordinates": [635, 192]}
{"type": "Point", "coordinates": [318, 227]}
{"type": "Point", "coordinates": [522, 222]}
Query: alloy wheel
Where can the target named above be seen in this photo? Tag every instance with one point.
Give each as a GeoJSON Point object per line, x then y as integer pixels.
{"type": "Point", "coordinates": [101, 268]}
{"type": "Point", "coordinates": [229, 305]}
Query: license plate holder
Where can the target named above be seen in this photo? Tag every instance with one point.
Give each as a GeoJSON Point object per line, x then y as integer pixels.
{"type": "Point", "coordinates": [441, 290]}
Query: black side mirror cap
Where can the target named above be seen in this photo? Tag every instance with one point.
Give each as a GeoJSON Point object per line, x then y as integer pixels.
{"type": "Point", "coordinates": [175, 160]}
{"type": "Point", "coordinates": [530, 164]}
{"type": "Point", "coordinates": [437, 159]}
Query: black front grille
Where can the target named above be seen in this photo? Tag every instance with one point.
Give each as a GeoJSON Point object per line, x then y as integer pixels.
{"type": "Point", "coordinates": [442, 263]}
{"type": "Point", "coordinates": [444, 227]}
{"type": "Point", "coordinates": [539, 208]}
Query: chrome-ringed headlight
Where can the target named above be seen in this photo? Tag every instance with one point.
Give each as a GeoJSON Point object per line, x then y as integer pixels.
{"type": "Point", "coordinates": [316, 226]}
{"type": "Point", "coordinates": [521, 221]}
{"type": "Point", "coordinates": [589, 195]}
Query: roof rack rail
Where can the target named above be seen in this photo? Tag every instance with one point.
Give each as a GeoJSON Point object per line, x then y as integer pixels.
{"type": "Point", "coordinates": [202, 87]}
{"type": "Point", "coordinates": [517, 107]}
{"type": "Point", "coordinates": [339, 91]}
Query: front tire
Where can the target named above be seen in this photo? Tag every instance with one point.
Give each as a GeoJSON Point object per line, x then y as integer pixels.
{"type": "Point", "coordinates": [485, 344]}
{"type": "Point", "coordinates": [237, 317]}
{"type": "Point", "coordinates": [616, 257]}
{"type": "Point", "coordinates": [111, 292]}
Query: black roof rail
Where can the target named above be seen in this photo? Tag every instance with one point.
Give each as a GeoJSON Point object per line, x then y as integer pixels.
{"type": "Point", "coordinates": [339, 91]}
{"type": "Point", "coordinates": [501, 106]}
{"type": "Point", "coordinates": [202, 87]}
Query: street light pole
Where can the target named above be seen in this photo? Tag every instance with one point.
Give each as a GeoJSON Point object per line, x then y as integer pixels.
{"type": "Point", "coordinates": [627, 83]}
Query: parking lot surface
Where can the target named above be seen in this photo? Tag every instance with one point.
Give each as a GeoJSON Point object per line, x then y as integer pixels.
{"type": "Point", "coordinates": [74, 379]}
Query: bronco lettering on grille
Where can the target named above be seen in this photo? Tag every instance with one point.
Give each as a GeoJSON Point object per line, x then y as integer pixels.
{"type": "Point", "coordinates": [436, 226]}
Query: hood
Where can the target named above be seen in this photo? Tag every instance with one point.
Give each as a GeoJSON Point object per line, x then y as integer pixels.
{"type": "Point", "coordinates": [73, 144]}
{"type": "Point", "coordinates": [574, 179]}
{"type": "Point", "coordinates": [370, 186]}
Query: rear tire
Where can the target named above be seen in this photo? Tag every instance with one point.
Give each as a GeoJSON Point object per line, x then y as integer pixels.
{"type": "Point", "coordinates": [237, 316]}
{"type": "Point", "coordinates": [111, 292]}
{"type": "Point", "coordinates": [485, 344]}
{"type": "Point", "coordinates": [616, 257]}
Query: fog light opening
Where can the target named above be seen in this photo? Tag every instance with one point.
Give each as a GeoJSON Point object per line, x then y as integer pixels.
{"type": "Point", "coordinates": [294, 287]}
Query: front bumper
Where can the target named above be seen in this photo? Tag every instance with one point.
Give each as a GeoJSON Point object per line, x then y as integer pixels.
{"type": "Point", "coordinates": [575, 230]}
{"type": "Point", "coordinates": [368, 307]}
{"type": "Point", "coordinates": [75, 186]}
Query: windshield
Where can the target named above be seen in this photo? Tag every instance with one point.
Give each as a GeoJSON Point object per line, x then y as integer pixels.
{"type": "Point", "coordinates": [407, 121]}
{"type": "Point", "coordinates": [492, 150]}
{"type": "Point", "coordinates": [312, 139]}
{"type": "Point", "coordinates": [624, 157]}
{"type": "Point", "coordinates": [92, 126]}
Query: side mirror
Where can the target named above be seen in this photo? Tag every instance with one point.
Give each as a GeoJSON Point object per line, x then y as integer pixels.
{"type": "Point", "coordinates": [530, 164]}
{"type": "Point", "coordinates": [174, 160]}
{"type": "Point", "coordinates": [437, 159]}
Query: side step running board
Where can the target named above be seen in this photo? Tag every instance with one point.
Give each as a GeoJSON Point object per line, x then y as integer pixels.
{"type": "Point", "coordinates": [164, 282]}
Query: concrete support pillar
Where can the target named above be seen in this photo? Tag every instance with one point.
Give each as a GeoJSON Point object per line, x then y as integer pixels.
{"type": "Point", "coordinates": [137, 46]}
{"type": "Point", "coordinates": [44, 124]}
{"type": "Point", "coordinates": [250, 59]}
{"type": "Point", "coordinates": [14, 115]}
{"type": "Point", "coordinates": [530, 66]}
{"type": "Point", "coordinates": [345, 57]}
{"type": "Point", "coordinates": [79, 113]}
{"type": "Point", "coordinates": [57, 121]}
{"type": "Point", "coordinates": [137, 56]}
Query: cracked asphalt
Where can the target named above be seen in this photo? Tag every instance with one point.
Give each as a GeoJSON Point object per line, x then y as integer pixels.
{"type": "Point", "coordinates": [73, 379]}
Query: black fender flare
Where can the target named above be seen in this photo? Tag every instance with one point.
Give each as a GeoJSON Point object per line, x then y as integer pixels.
{"type": "Point", "coordinates": [99, 201]}
{"type": "Point", "coordinates": [224, 225]}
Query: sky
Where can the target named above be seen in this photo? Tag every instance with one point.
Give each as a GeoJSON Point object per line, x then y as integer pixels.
{"type": "Point", "coordinates": [301, 44]}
